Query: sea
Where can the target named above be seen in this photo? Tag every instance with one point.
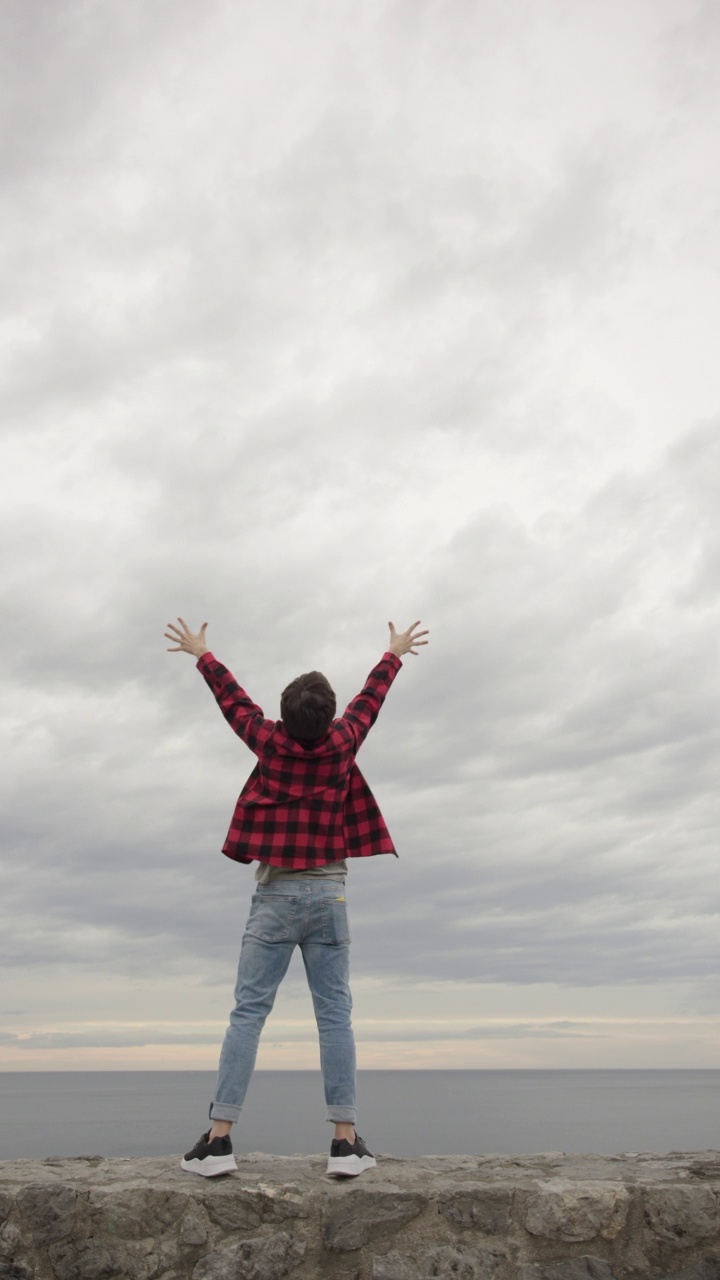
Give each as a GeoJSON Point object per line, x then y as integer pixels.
{"type": "Point", "coordinates": [404, 1113]}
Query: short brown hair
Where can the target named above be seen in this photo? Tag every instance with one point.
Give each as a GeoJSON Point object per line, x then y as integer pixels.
{"type": "Point", "coordinates": [307, 706]}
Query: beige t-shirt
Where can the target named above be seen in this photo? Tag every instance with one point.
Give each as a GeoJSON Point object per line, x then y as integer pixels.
{"type": "Point", "coordinates": [328, 870]}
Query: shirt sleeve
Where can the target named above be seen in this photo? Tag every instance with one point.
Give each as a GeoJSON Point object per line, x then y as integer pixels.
{"type": "Point", "coordinates": [361, 714]}
{"type": "Point", "coordinates": [242, 714]}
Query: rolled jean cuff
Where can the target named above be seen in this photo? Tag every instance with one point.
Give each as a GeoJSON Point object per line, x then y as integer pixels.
{"type": "Point", "coordinates": [341, 1115]}
{"type": "Point", "coordinates": [224, 1111]}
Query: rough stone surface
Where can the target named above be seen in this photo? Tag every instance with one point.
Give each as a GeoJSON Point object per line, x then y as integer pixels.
{"type": "Point", "coordinates": [50, 1210]}
{"type": "Point", "coordinates": [132, 1213]}
{"type": "Point", "coordinates": [369, 1215]}
{"type": "Point", "coordinates": [266, 1258]}
{"type": "Point", "coordinates": [574, 1211]}
{"type": "Point", "coordinates": [94, 1259]}
{"type": "Point", "coordinates": [238, 1210]}
{"type": "Point", "coordinates": [709, 1269]}
{"type": "Point", "coordinates": [584, 1268]}
{"type": "Point", "coordinates": [193, 1230]}
{"type": "Point", "coordinates": [682, 1215]}
{"type": "Point", "coordinates": [540, 1217]}
{"type": "Point", "coordinates": [456, 1262]}
{"type": "Point", "coordinates": [486, 1209]}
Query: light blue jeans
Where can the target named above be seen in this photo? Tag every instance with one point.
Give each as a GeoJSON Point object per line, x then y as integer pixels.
{"type": "Point", "coordinates": [309, 913]}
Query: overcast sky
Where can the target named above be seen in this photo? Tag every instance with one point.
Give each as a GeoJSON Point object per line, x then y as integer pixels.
{"type": "Point", "coordinates": [316, 314]}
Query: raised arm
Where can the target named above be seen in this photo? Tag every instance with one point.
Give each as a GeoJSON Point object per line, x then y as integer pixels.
{"type": "Point", "coordinates": [242, 714]}
{"type": "Point", "coordinates": [362, 712]}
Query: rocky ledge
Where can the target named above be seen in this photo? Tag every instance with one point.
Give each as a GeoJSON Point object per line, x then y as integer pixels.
{"type": "Point", "coordinates": [542, 1217]}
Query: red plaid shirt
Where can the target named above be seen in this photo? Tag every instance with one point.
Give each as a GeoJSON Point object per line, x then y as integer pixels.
{"type": "Point", "coordinates": [303, 806]}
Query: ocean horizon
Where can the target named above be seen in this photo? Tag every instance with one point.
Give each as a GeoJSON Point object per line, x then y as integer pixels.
{"type": "Point", "coordinates": [404, 1113]}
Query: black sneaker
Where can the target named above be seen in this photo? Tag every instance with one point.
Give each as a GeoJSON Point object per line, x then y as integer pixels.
{"type": "Point", "coordinates": [348, 1159]}
{"type": "Point", "coordinates": [210, 1158]}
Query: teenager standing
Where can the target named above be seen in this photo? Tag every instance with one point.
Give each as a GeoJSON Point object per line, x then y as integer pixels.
{"type": "Point", "coordinates": [304, 810]}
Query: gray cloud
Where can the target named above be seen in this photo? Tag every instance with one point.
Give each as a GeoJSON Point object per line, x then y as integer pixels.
{"type": "Point", "coordinates": [362, 352]}
{"type": "Point", "coordinates": [564, 783]}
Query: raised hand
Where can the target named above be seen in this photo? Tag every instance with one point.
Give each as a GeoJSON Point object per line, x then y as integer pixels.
{"type": "Point", "coordinates": [185, 640]}
{"type": "Point", "coordinates": [406, 641]}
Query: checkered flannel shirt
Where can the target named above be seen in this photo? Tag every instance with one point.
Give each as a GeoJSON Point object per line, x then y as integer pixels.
{"type": "Point", "coordinates": [303, 806]}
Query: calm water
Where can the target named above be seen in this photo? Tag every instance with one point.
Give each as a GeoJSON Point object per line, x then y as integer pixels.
{"type": "Point", "coordinates": [147, 1113]}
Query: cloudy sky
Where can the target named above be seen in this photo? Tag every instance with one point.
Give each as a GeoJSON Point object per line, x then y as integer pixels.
{"type": "Point", "coordinates": [315, 314]}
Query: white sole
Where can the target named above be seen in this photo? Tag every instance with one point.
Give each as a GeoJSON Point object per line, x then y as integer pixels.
{"type": "Point", "coordinates": [211, 1166]}
{"type": "Point", "coordinates": [349, 1166]}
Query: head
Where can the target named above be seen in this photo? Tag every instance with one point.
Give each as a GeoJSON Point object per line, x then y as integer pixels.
{"type": "Point", "coordinates": [307, 706]}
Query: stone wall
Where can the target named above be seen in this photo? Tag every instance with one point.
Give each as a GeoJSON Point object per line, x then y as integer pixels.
{"type": "Point", "coordinates": [546, 1217]}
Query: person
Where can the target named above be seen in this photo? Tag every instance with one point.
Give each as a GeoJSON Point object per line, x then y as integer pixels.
{"type": "Point", "coordinates": [303, 811]}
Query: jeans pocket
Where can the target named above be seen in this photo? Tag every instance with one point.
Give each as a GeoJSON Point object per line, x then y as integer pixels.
{"type": "Point", "coordinates": [272, 918]}
{"type": "Point", "coordinates": [335, 927]}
